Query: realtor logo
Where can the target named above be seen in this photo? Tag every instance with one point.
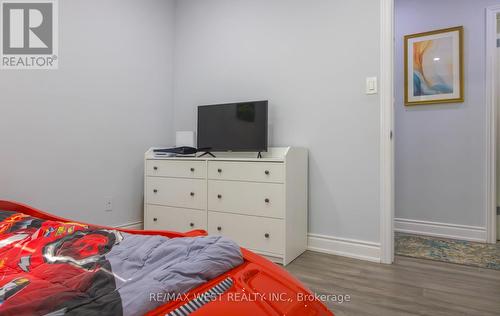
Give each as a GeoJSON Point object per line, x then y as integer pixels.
{"type": "Point", "coordinates": [29, 34]}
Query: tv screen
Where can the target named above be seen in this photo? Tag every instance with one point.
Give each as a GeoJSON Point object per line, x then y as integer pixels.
{"type": "Point", "coordinates": [233, 127]}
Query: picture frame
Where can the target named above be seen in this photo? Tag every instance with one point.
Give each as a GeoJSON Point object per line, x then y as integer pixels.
{"type": "Point", "coordinates": [434, 67]}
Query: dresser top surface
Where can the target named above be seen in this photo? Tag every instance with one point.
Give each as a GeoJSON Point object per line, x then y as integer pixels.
{"type": "Point", "coordinates": [274, 154]}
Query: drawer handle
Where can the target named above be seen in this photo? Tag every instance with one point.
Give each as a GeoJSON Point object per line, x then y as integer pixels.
{"type": "Point", "coordinates": [219, 170]}
{"type": "Point", "coordinates": [155, 219]}
{"type": "Point", "coordinates": [219, 196]}
{"type": "Point", "coordinates": [266, 235]}
{"type": "Point", "coordinates": [192, 169]}
{"type": "Point", "coordinates": [266, 200]}
{"type": "Point", "coordinates": [191, 224]}
{"type": "Point", "coordinates": [155, 168]}
{"type": "Point", "coordinates": [267, 172]}
{"type": "Point", "coordinates": [155, 191]}
{"type": "Point", "coordinates": [219, 228]}
{"type": "Point", "coordinates": [192, 193]}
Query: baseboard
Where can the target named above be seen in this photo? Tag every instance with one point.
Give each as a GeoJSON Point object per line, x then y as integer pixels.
{"type": "Point", "coordinates": [436, 229]}
{"type": "Point", "coordinates": [344, 247]}
{"type": "Point", "coordinates": [134, 225]}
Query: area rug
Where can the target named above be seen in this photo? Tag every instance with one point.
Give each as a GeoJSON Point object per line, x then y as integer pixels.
{"type": "Point", "coordinates": [448, 250]}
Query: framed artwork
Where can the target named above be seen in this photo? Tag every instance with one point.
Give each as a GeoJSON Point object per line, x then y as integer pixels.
{"type": "Point", "coordinates": [434, 71]}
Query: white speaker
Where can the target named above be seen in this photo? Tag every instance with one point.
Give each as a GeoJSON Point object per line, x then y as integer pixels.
{"type": "Point", "coordinates": [184, 138]}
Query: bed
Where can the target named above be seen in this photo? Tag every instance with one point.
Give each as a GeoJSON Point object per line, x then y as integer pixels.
{"type": "Point", "coordinates": [54, 266]}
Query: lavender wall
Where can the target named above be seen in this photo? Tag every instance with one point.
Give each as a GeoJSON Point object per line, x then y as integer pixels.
{"type": "Point", "coordinates": [310, 60]}
{"type": "Point", "coordinates": [440, 149]}
{"type": "Point", "coordinates": [70, 138]}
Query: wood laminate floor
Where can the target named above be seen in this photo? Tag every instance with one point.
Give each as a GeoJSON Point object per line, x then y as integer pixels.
{"type": "Point", "coordinates": [408, 287]}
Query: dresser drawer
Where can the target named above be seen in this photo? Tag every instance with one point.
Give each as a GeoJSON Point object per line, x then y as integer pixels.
{"type": "Point", "coordinates": [174, 219]}
{"type": "Point", "coordinates": [246, 171]}
{"type": "Point", "coordinates": [176, 168]}
{"type": "Point", "coordinates": [256, 233]}
{"type": "Point", "coordinates": [176, 192]}
{"type": "Point", "coordinates": [249, 198]}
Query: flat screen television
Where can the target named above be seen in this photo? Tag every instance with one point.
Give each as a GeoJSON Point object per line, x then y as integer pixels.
{"type": "Point", "coordinates": [233, 126]}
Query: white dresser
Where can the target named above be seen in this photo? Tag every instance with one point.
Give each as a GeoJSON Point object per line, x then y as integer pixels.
{"type": "Point", "coordinates": [261, 203]}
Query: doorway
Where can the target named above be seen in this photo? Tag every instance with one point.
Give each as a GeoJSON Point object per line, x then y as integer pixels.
{"type": "Point", "coordinates": [484, 230]}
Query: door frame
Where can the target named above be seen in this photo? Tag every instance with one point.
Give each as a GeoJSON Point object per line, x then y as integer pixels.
{"type": "Point", "coordinates": [491, 122]}
{"type": "Point", "coordinates": [386, 131]}
{"type": "Point", "coordinates": [387, 126]}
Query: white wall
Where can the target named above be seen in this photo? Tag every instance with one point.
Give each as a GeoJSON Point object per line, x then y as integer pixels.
{"type": "Point", "coordinates": [440, 149]}
{"type": "Point", "coordinates": [310, 59]}
{"type": "Point", "coordinates": [72, 136]}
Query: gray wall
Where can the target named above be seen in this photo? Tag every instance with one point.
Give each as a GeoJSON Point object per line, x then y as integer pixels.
{"type": "Point", "coordinates": [440, 149]}
{"type": "Point", "coordinates": [310, 59]}
{"type": "Point", "coordinates": [72, 136]}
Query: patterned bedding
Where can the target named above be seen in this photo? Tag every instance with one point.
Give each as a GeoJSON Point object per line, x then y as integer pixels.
{"type": "Point", "coordinates": [67, 268]}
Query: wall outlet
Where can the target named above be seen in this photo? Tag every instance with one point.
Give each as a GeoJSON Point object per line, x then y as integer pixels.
{"type": "Point", "coordinates": [108, 204]}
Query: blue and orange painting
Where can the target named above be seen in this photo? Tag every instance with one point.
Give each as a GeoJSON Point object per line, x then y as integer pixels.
{"type": "Point", "coordinates": [433, 67]}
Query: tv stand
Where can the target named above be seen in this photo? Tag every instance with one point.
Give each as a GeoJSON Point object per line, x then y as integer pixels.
{"type": "Point", "coordinates": [259, 155]}
{"type": "Point", "coordinates": [207, 153]}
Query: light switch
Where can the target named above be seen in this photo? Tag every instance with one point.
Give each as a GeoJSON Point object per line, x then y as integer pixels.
{"type": "Point", "coordinates": [371, 85]}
